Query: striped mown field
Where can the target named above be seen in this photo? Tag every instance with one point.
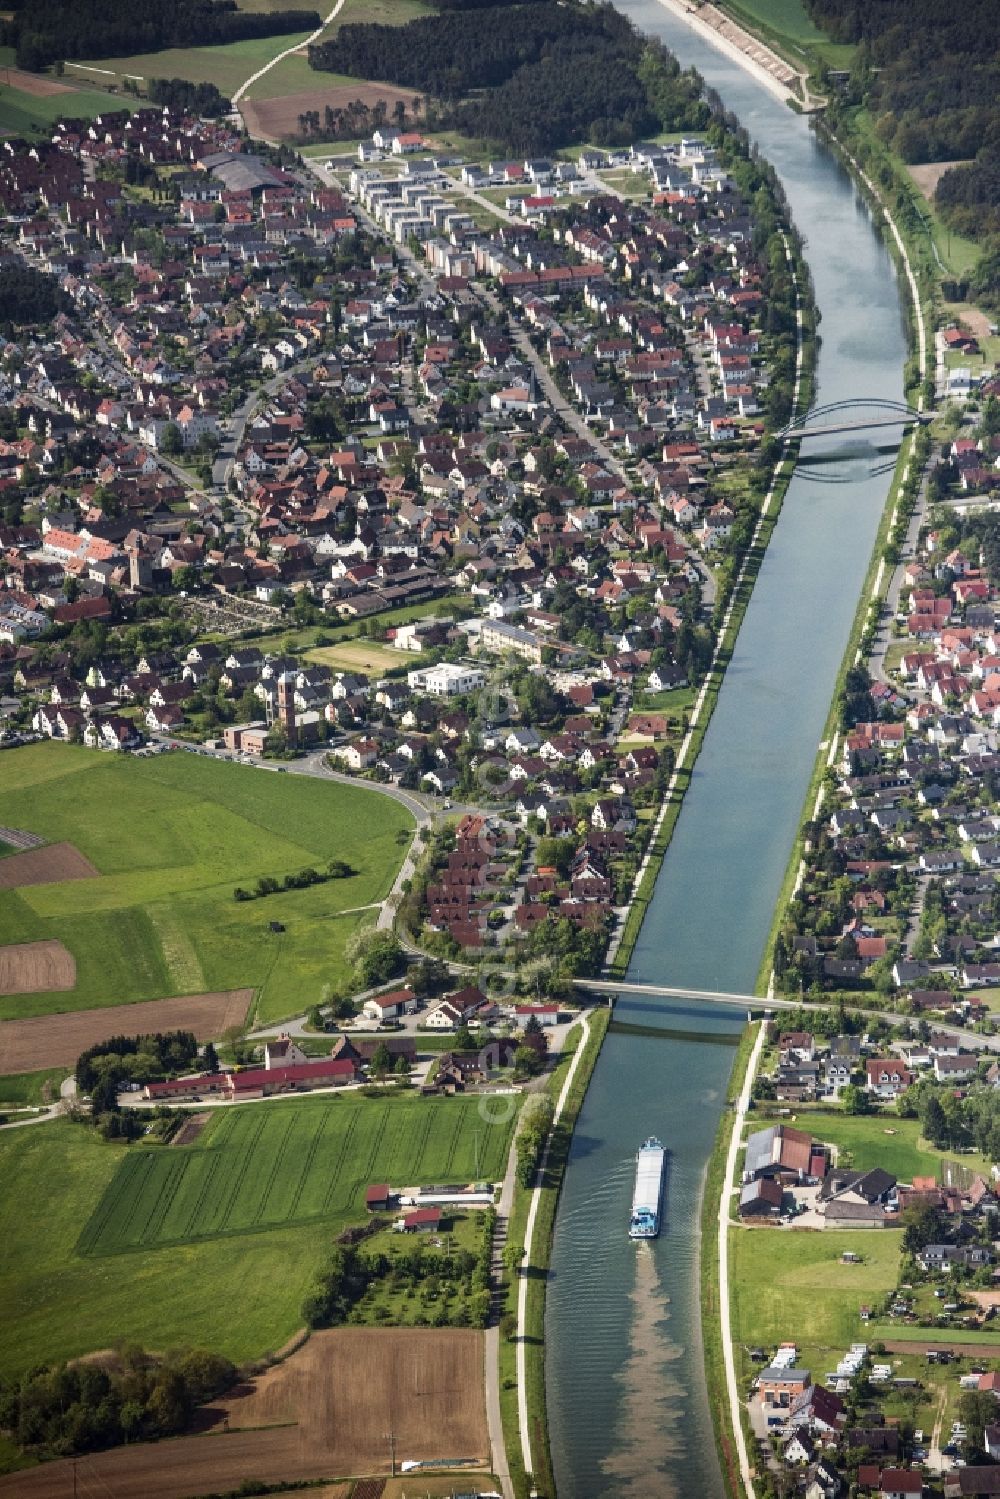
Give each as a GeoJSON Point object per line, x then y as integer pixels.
{"type": "Point", "coordinates": [266, 1165]}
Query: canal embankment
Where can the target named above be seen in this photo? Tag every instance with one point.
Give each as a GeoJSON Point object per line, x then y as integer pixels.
{"type": "Point", "coordinates": [627, 1398]}
{"type": "Point", "coordinates": [750, 52]}
{"type": "Point", "coordinates": [529, 1241]}
{"type": "Point", "coordinates": [714, 1307]}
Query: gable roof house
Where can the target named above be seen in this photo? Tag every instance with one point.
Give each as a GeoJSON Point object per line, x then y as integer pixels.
{"type": "Point", "coordinates": [783, 1153]}
{"type": "Point", "coordinates": [887, 1076]}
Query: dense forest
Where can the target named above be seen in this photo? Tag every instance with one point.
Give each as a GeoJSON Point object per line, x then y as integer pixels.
{"type": "Point", "coordinates": [29, 296]}
{"type": "Point", "coordinates": [46, 31]}
{"type": "Point", "coordinates": [84, 1407]}
{"type": "Point", "coordinates": [201, 99]}
{"type": "Point", "coordinates": [533, 77]}
{"type": "Point", "coordinates": [140, 1058]}
{"type": "Point", "coordinates": [930, 76]}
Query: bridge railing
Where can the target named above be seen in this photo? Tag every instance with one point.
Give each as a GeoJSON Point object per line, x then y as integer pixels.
{"type": "Point", "coordinates": [895, 410]}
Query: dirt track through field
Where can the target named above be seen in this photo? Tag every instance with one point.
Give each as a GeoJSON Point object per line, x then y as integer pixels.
{"type": "Point", "coordinates": [50, 865]}
{"type": "Point", "coordinates": [57, 1040]}
{"type": "Point", "coordinates": [344, 1390]}
{"type": "Point", "coordinates": [36, 968]}
{"type": "Point", "coordinates": [279, 117]}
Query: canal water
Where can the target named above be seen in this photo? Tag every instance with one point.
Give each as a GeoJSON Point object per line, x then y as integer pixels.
{"type": "Point", "coordinates": [628, 1411]}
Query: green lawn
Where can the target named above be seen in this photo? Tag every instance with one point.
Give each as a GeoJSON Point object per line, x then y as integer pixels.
{"type": "Point", "coordinates": [20, 1089]}
{"type": "Point", "coordinates": [903, 1152]}
{"type": "Point", "coordinates": [407, 1306]}
{"type": "Point", "coordinates": [292, 75]}
{"type": "Point", "coordinates": [789, 17]}
{"type": "Point", "coordinates": [226, 66]}
{"type": "Point", "coordinates": [674, 701]}
{"type": "Point", "coordinates": [231, 65]}
{"type": "Point", "coordinates": [787, 25]}
{"type": "Point", "coordinates": [792, 1287]}
{"type": "Point", "coordinates": [341, 632]}
{"type": "Point", "coordinates": [22, 114]}
{"type": "Point", "coordinates": [957, 254]}
{"type": "Point", "coordinates": [277, 1181]}
{"type": "Point", "coordinates": [172, 837]}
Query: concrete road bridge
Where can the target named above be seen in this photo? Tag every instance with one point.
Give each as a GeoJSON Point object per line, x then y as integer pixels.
{"type": "Point", "coordinates": [610, 987]}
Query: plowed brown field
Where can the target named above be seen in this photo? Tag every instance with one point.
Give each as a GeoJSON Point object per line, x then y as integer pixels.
{"type": "Point", "coordinates": [343, 1391]}
{"type": "Point", "coordinates": [57, 1040]}
{"type": "Point", "coordinates": [36, 967]}
{"type": "Point", "coordinates": [31, 83]}
{"type": "Point", "coordinates": [49, 865]}
{"type": "Point", "coordinates": [277, 119]}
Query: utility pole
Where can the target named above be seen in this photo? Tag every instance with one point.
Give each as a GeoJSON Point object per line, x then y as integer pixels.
{"type": "Point", "coordinates": [390, 1437]}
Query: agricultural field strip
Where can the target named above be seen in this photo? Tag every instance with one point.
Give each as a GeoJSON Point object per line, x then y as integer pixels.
{"type": "Point", "coordinates": [171, 839]}
{"type": "Point", "coordinates": [261, 1167]}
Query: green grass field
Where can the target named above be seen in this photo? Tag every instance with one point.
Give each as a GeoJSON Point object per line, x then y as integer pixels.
{"type": "Point", "coordinates": [789, 17]}
{"type": "Point", "coordinates": [792, 1286]}
{"type": "Point", "coordinates": [957, 254]}
{"type": "Point", "coordinates": [904, 1152]}
{"type": "Point", "coordinates": [172, 837]}
{"type": "Point", "coordinates": [231, 65]}
{"type": "Point", "coordinates": [294, 75]}
{"type": "Point", "coordinates": [273, 1210]}
{"type": "Point", "coordinates": [23, 1089]}
{"type": "Point", "coordinates": [226, 66]}
{"type": "Point", "coordinates": [787, 25]}
{"type": "Point", "coordinates": [23, 114]}
{"type": "Point", "coordinates": [275, 1164]}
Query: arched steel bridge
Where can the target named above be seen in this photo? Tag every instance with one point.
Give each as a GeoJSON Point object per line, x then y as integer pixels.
{"type": "Point", "coordinates": [884, 413]}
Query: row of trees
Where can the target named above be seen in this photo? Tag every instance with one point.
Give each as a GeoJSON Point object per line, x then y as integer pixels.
{"type": "Point", "coordinates": [202, 99]}
{"type": "Point", "coordinates": [45, 31]}
{"type": "Point", "coordinates": [535, 1126]}
{"type": "Point", "coordinates": [83, 1407]}
{"type": "Point", "coordinates": [954, 1123]}
{"type": "Point", "coordinates": [354, 119]}
{"type": "Point", "coordinates": [337, 869]}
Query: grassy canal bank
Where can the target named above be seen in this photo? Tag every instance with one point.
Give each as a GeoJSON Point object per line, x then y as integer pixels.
{"type": "Point", "coordinates": [534, 1270]}
{"type": "Point", "coordinates": [711, 1318]}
